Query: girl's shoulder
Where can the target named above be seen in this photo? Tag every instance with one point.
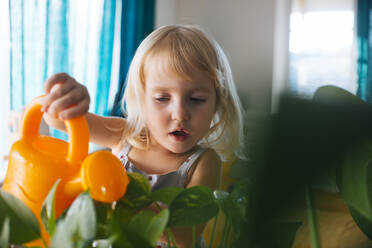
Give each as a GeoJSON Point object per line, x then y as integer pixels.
{"type": "Point", "coordinates": [207, 170]}
{"type": "Point", "coordinates": [210, 160]}
{"type": "Point", "coordinates": [210, 155]}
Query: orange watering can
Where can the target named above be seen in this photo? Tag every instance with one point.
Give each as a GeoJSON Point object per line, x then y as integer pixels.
{"type": "Point", "coordinates": [36, 162]}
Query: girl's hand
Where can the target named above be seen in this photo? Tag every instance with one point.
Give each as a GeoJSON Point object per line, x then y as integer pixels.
{"type": "Point", "coordinates": [65, 97]}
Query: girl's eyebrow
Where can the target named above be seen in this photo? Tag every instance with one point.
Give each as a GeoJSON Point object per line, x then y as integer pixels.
{"type": "Point", "coordinates": [202, 89]}
{"type": "Point", "coordinates": [160, 88]}
{"type": "Point", "coordinates": [197, 89]}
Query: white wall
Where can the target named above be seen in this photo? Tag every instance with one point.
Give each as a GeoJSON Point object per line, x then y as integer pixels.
{"type": "Point", "coordinates": [281, 51]}
{"type": "Point", "coordinates": [244, 28]}
{"type": "Point", "coordinates": [322, 5]}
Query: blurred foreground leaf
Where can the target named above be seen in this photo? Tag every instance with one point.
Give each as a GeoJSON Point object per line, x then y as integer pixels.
{"type": "Point", "coordinates": [23, 226]}
{"type": "Point", "coordinates": [354, 179]}
{"type": "Point", "coordinates": [78, 227]}
{"type": "Point", "coordinates": [4, 233]}
{"type": "Point", "coordinates": [48, 215]}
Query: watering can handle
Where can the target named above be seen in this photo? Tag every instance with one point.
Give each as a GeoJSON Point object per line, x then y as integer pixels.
{"type": "Point", "coordinates": [77, 130]}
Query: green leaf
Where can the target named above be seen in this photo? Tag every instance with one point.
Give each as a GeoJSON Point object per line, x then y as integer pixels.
{"type": "Point", "coordinates": [165, 195]}
{"type": "Point", "coordinates": [48, 215]}
{"type": "Point", "coordinates": [103, 213]}
{"type": "Point", "coordinates": [141, 202]}
{"type": "Point", "coordinates": [103, 210]}
{"type": "Point", "coordinates": [78, 228]}
{"type": "Point", "coordinates": [149, 225]}
{"type": "Point", "coordinates": [138, 185]}
{"type": "Point", "coordinates": [144, 230]}
{"type": "Point", "coordinates": [231, 207]}
{"type": "Point", "coordinates": [354, 178]}
{"type": "Point", "coordinates": [330, 94]}
{"type": "Point", "coordinates": [24, 226]}
{"type": "Point", "coordinates": [241, 203]}
{"type": "Point", "coordinates": [120, 235]}
{"type": "Point", "coordinates": [4, 235]}
{"type": "Point", "coordinates": [363, 223]}
{"type": "Point", "coordinates": [192, 206]}
{"type": "Point", "coordinates": [124, 211]}
{"type": "Point", "coordinates": [138, 191]}
{"type": "Point", "coordinates": [222, 197]}
{"type": "Point", "coordinates": [130, 238]}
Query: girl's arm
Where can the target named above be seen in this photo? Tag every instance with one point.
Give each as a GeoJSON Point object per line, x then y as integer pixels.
{"type": "Point", "coordinates": [65, 99]}
{"type": "Point", "coordinates": [103, 131]}
{"type": "Point", "coordinates": [207, 171]}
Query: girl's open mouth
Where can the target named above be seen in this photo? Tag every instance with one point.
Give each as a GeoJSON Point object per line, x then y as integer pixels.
{"type": "Point", "coordinates": [179, 135]}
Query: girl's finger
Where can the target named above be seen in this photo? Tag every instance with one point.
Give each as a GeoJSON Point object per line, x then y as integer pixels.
{"type": "Point", "coordinates": [57, 91]}
{"type": "Point", "coordinates": [75, 111]}
{"type": "Point", "coordinates": [55, 79]}
{"type": "Point", "coordinates": [71, 98]}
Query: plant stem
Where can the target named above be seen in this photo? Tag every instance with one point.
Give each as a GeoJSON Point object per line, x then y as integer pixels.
{"type": "Point", "coordinates": [229, 224]}
{"type": "Point", "coordinates": [172, 238]}
{"type": "Point", "coordinates": [168, 238]}
{"type": "Point", "coordinates": [109, 210]}
{"type": "Point", "coordinates": [44, 242]}
{"type": "Point", "coordinates": [311, 216]}
{"type": "Point", "coordinates": [159, 207]}
{"type": "Point", "coordinates": [193, 236]}
{"type": "Point", "coordinates": [224, 233]}
{"type": "Point", "coordinates": [213, 231]}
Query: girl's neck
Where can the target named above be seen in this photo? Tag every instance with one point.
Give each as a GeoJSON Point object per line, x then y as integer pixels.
{"type": "Point", "coordinates": [157, 159]}
{"type": "Point", "coordinates": [155, 147]}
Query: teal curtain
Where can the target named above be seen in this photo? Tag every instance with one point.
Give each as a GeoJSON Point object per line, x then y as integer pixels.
{"type": "Point", "coordinates": [364, 37]}
{"type": "Point", "coordinates": [105, 58]}
{"type": "Point", "coordinates": [137, 22]}
{"type": "Point", "coordinates": [53, 36]}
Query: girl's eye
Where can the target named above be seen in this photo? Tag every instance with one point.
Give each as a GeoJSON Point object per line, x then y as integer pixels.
{"type": "Point", "coordinates": [197, 99]}
{"type": "Point", "coordinates": [161, 99]}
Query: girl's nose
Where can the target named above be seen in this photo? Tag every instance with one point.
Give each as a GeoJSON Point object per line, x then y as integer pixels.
{"type": "Point", "coordinates": [180, 111]}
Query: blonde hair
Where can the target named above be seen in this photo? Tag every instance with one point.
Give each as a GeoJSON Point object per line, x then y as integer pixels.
{"type": "Point", "coordinates": [186, 47]}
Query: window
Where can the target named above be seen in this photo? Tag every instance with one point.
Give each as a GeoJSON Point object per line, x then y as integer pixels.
{"type": "Point", "coordinates": [321, 46]}
{"type": "Point", "coordinates": [93, 34]}
{"type": "Point", "coordinates": [4, 92]}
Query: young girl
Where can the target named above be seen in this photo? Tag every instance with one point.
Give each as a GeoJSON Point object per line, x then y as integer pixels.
{"type": "Point", "coordinates": [183, 114]}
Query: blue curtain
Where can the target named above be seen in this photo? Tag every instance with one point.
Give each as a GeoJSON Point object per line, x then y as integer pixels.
{"type": "Point", "coordinates": [137, 22]}
{"type": "Point", "coordinates": [364, 33]}
{"type": "Point", "coordinates": [76, 37]}
{"type": "Point", "coordinates": [105, 58]}
{"type": "Point", "coordinates": [53, 36]}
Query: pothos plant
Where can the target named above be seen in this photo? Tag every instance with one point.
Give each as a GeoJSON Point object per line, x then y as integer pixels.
{"type": "Point", "coordinates": [127, 222]}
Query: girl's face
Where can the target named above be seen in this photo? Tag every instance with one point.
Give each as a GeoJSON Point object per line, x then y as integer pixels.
{"type": "Point", "coordinates": [178, 112]}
